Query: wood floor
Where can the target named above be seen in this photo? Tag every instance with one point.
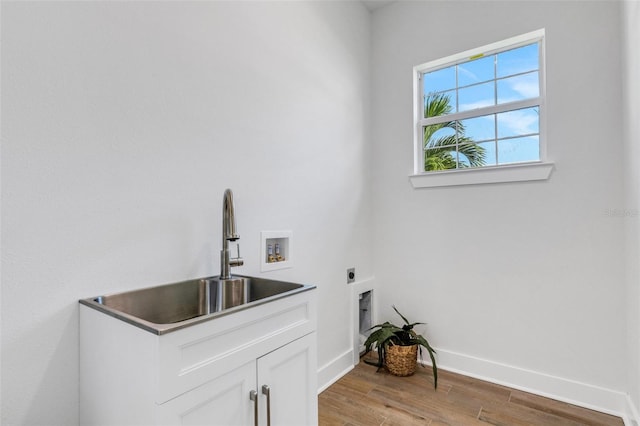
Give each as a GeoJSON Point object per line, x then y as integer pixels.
{"type": "Point", "coordinates": [364, 397]}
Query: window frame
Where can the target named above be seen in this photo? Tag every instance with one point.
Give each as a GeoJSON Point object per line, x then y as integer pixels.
{"type": "Point", "coordinates": [524, 171]}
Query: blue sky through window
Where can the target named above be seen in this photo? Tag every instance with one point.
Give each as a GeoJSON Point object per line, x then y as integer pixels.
{"type": "Point", "coordinates": [509, 76]}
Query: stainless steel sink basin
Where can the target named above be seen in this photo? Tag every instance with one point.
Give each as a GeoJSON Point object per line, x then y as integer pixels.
{"type": "Point", "coordinates": [169, 307]}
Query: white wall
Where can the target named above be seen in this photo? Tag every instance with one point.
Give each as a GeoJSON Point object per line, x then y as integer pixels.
{"type": "Point", "coordinates": [523, 282]}
{"type": "Point", "coordinates": [631, 28]}
{"type": "Point", "coordinates": [123, 123]}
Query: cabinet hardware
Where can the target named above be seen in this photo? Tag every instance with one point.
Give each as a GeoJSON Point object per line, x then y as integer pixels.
{"type": "Point", "coordinates": [267, 391]}
{"type": "Point", "coordinates": [253, 395]}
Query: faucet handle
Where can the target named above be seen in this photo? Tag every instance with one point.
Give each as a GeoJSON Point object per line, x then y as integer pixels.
{"type": "Point", "coordinates": [236, 261]}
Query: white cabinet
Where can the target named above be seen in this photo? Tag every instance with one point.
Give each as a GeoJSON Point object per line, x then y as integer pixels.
{"type": "Point", "coordinates": [290, 375]}
{"type": "Point", "coordinates": [223, 401]}
{"type": "Point", "coordinates": [283, 383]}
{"type": "Point", "coordinates": [203, 374]}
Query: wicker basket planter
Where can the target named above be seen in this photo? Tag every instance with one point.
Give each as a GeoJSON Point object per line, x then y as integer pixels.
{"type": "Point", "coordinates": [398, 348]}
{"type": "Point", "coordinates": [401, 360]}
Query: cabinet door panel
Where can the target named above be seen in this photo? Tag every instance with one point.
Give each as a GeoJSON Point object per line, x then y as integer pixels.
{"type": "Point", "coordinates": [223, 401]}
{"type": "Point", "coordinates": [291, 375]}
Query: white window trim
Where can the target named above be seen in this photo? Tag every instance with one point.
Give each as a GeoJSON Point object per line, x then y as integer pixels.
{"type": "Point", "coordinates": [539, 170]}
{"type": "Point", "coordinates": [482, 175]}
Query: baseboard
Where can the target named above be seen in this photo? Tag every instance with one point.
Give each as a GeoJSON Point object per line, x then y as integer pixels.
{"type": "Point", "coordinates": [632, 417]}
{"type": "Point", "coordinates": [329, 373]}
{"type": "Point", "coordinates": [558, 388]}
{"type": "Point", "coordinates": [573, 392]}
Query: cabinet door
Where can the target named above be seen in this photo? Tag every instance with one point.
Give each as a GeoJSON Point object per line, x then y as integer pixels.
{"type": "Point", "coordinates": [291, 376]}
{"type": "Point", "coordinates": [223, 401]}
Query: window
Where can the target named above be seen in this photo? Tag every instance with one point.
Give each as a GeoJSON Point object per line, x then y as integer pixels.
{"type": "Point", "coordinates": [482, 109]}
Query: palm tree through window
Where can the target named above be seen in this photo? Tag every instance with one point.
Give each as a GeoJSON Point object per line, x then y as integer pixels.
{"type": "Point", "coordinates": [482, 110]}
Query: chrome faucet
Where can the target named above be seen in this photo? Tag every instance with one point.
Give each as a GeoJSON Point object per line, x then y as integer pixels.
{"type": "Point", "coordinates": [228, 234]}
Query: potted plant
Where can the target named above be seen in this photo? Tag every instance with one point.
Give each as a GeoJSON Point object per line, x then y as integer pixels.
{"type": "Point", "coordinates": [398, 348]}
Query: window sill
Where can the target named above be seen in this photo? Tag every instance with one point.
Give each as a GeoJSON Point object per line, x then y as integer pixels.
{"type": "Point", "coordinates": [485, 175]}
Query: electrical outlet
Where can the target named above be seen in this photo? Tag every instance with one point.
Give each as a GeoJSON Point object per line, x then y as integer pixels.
{"type": "Point", "coordinates": [351, 275]}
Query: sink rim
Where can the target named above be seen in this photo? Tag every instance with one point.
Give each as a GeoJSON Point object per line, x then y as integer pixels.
{"type": "Point", "coordinates": [162, 328]}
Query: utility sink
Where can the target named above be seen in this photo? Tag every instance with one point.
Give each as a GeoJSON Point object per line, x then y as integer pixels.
{"type": "Point", "coordinates": [170, 307]}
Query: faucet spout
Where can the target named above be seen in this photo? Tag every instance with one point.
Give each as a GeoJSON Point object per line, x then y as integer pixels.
{"type": "Point", "coordinates": [228, 234]}
{"type": "Point", "coordinates": [228, 218]}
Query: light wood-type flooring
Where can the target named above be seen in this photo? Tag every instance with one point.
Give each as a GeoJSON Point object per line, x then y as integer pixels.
{"type": "Point", "coordinates": [365, 397]}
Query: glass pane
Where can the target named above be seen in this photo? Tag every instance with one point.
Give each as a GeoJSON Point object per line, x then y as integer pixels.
{"type": "Point", "coordinates": [478, 96]}
{"type": "Point", "coordinates": [439, 159]}
{"type": "Point", "coordinates": [476, 71]}
{"type": "Point", "coordinates": [440, 80]}
{"type": "Point", "coordinates": [463, 161]}
{"type": "Point", "coordinates": [519, 122]}
{"type": "Point", "coordinates": [518, 60]}
{"type": "Point", "coordinates": [518, 150]}
{"type": "Point", "coordinates": [489, 153]}
{"type": "Point", "coordinates": [524, 86]}
{"type": "Point", "coordinates": [471, 154]}
{"type": "Point", "coordinates": [438, 135]}
{"type": "Point", "coordinates": [479, 128]}
{"type": "Point", "coordinates": [440, 104]}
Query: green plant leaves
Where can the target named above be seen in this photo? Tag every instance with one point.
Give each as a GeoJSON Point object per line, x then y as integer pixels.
{"type": "Point", "coordinates": [389, 334]}
{"type": "Point", "coordinates": [406, 321]}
